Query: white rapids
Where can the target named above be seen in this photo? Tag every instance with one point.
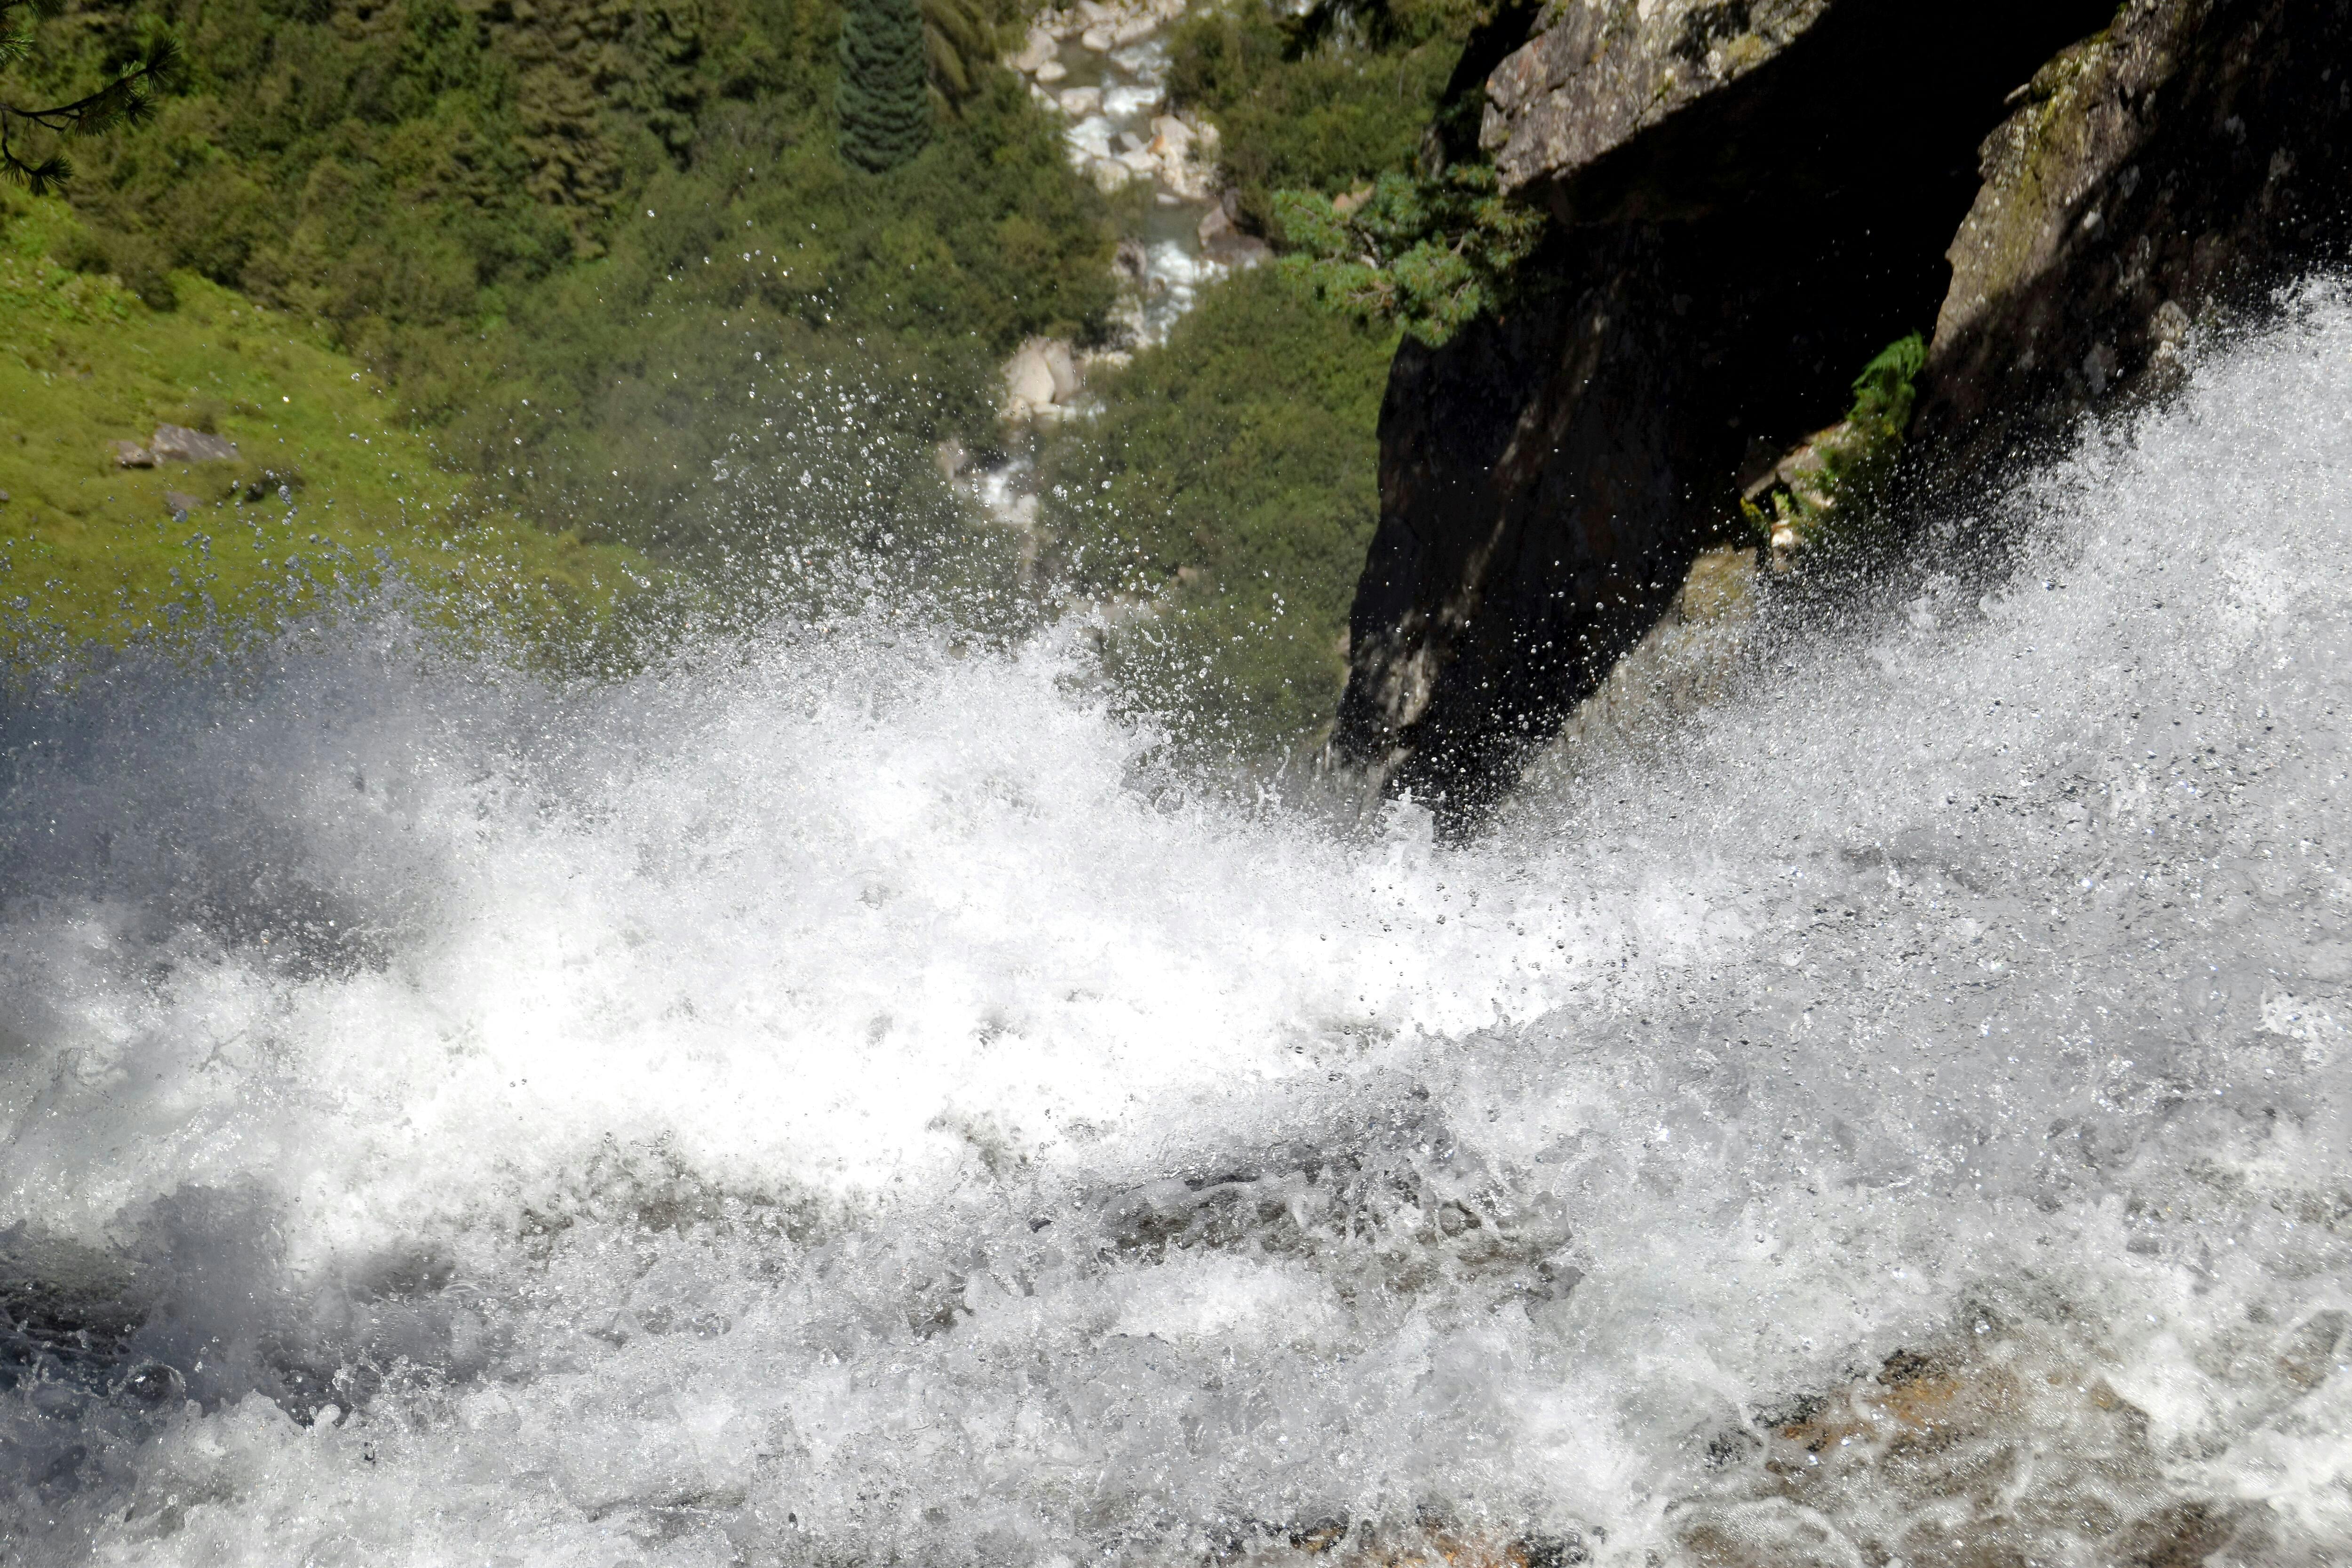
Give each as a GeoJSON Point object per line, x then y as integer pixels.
{"type": "Point", "coordinates": [838, 1099]}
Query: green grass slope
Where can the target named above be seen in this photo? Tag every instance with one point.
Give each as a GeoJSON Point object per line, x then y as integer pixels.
{"type": "Point", "coordinates": [328, 480]}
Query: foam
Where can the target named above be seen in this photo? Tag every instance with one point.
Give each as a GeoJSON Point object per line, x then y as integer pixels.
{"type": "Point", "coordinates": [844, 1095]}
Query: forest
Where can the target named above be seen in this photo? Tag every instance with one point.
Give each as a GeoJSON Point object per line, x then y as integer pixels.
{"type": "Point", "coordinates": [582, 258]}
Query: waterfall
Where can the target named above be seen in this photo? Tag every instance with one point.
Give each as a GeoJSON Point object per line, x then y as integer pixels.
{"type": "Point", "coordinates": [840, 1097]}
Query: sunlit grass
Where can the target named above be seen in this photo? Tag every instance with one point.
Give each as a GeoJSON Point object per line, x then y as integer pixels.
{"type": "Point", "coordinates": [327, 485]}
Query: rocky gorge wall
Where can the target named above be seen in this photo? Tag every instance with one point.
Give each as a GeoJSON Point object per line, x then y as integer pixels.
{"type": "Point", "coordinates": [1750, 199]}
{"type": "Point", "coordinates": [2185, 158]}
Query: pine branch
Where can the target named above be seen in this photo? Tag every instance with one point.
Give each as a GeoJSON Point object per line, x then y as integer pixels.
{"type": "Point", "coordinates": [127, 99]}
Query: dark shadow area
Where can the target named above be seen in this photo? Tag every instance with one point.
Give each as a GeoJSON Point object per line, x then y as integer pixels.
{"type": "Point", "coordinates": [1707, 295]}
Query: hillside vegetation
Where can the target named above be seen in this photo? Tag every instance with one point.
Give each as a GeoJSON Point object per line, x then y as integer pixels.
{"type": "Point", "coordinates": [1323, 101]}
{"type": "Point", "coordinates": [571, 237]}
{"type": "Point", "coordinates": [329, 482]}
{"type": "Point", "coordinates": [1231, 486]}
{"type": "Point", "coordinates": [617, 305]}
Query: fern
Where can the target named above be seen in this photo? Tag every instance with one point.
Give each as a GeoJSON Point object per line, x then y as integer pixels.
{"type": "Point", "coordinates": [1832, 493]}
{"type": "Point", "coordinates": [958, 42]}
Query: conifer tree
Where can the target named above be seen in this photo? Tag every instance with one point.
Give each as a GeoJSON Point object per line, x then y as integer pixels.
{"type": "Point", "coordinates": [960, 42]}
{"type": "Point", "coordinates": [883, 97]}
{"type": "Point", "coordinates": [127, 99]}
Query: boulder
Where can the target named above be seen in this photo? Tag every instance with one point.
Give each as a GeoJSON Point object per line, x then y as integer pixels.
{"type": "Point", "coordinates": [1110, 176]}
{"type": "Point", "coordinates": [1606, 70]}
{"type": "Point", "coordinates": [1241, 253]}
{"type": "Point", "coordinates": [180, 505]}
{"type": "Point", "coordinates": [1077, 103]}
{"type": "Point", "coordinates": [1170, 137]}
{"type": "Point", "coordinates": [1062, 367]}
{"type": "Point", "coordinates": [1748, 202]}
{"type": "Point", "coordinates": [1222, 240]}
{"type": "Point", "coordinates": [131, 455]}
{"type": "Point", "coordinates": [2179, 163]}
{"type": "Point", "coordinates": [1101, 40]}
{"type": "Point", "coordinates": [1036, 51]}
{"type": "Point", "coordinates": [178, 444]}
{"type": "Point", "coordinates": [1028, 382]}
{"type": "Point", "coordinates": [1041, 376]}
{"type": "Point", "coordinates": [1052, 71]}
{"type": "Point", "coordinates": [1188, 166]}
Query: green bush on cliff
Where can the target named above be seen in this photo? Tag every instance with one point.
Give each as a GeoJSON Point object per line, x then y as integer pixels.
{"type": "Point", "coordinates": [1232, 485]}
{"type": "Point", "coordinates": [1829, 492]}
{"type": "Point", "coordinates": [1352, 102]}
{"type": "Point", "coordinates": [1431, 254]}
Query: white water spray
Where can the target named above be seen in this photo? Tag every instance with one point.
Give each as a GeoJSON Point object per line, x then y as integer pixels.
{"type": "Point", "coordinates": [837, 1100]}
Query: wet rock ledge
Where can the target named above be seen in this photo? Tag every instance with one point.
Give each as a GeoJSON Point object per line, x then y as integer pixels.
{"type": "Point", "coordinates": [1751, 198]}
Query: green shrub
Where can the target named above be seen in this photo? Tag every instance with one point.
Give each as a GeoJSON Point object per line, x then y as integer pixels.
{"type": "Point", "coordinates": [1231, 483]}
{"type": "Point", "coordinates": [1829, 497]}
{"type": "Point", "coordinates": [1431, 254]}
{"type": "Point", "coordinates": [1321, 102]}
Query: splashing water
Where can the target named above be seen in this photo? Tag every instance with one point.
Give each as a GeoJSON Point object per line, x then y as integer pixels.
{"type": "Point", "coordinates": [838, 1099]}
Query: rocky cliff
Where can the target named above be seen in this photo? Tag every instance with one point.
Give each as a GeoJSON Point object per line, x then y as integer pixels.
{"type": "Point", "coordinates": [1751, 198]}
{"type": "Point", "coordinates": [2181, 162]}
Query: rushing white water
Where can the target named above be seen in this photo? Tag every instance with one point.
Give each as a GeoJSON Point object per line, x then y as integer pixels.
{"type": "Point", "coordinates": [840, 1099]}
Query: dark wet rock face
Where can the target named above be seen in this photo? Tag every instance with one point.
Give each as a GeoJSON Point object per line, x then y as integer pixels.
{"type": "Point", "coordinates": [1480, 616]}
{"type": "Point", "coordinates": [2191, 156]}
{"type": "Point", "coordinates": [1752, 199]}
